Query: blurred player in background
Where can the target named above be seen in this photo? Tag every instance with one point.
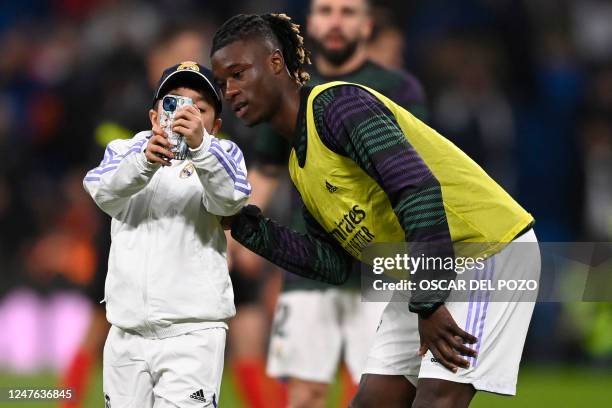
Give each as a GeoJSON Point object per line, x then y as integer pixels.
{"type": "Point", "coordinates": [168, 293]}
{"type": "Point", "coordinates": [317, 325]}
{"type": "Point", "coordinates": [371, 172]}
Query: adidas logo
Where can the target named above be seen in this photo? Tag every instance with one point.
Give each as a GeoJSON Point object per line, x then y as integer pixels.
{"type": "Point", "coordinates": [198, 395]}
{"type": "Point", "coordinates": [331, 188]}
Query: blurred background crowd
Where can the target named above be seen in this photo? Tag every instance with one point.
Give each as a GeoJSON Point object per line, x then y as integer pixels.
{"type": "Point", "coordinates": [524, 87]}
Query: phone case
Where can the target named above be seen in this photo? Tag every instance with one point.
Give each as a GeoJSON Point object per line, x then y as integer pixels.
{"type": "Point", "coordinates": [179, 147]}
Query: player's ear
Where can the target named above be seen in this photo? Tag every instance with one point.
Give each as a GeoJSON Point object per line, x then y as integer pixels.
{"type": "Point", "coordinates": [216, 126]}
{"type": "Point", "coordinates": [277, 62]}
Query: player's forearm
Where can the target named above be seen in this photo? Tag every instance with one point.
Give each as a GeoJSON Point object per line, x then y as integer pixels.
{"type": "Point", "coordinates": [421, 214]}
{"type": "Point", "coordinates": [297, 253]}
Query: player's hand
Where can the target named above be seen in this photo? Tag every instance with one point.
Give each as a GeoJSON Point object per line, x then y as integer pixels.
{"type": "Point", "coordinates": [188, 123]}
{"type": "Point", "coordinates": [226, 222]}
{"type": "Point", "coordinates": [158, 148]}
{"type": "Point", "coordinates": [440, 334]}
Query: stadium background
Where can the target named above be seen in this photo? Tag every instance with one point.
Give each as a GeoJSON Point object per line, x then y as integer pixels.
{"type": "Point", "coordinates": [524, 87]}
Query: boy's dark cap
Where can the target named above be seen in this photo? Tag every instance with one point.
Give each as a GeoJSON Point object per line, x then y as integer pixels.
{"type": "Point", "coordinates": [188, 70]}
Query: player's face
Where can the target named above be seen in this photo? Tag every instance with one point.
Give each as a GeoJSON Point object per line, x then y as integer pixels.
{"type": "Point", "coordinates": [337, 27]}
{"type": "Point", "coordinates": [244, 73]}
{"type": "Point", "coordinates": [204, 104]}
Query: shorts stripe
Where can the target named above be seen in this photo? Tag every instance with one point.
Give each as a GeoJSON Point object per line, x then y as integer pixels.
{"type": "Point", "coordinates": [471, 304]}
{"type": "Point", "coordinates": [474, 305]}
{"type": "Point", "coordinates": [481, 306]}
{"type": "Point", "coordinates": [484, 313]}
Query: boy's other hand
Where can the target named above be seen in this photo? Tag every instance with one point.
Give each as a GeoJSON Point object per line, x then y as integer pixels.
{"type": "Point", "coordinates": [157, 150]}
{"type": "Point", "coordinates": [188, 122]}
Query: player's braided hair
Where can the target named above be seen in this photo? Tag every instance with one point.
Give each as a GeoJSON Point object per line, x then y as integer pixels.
{"type": "Point", "coordinates": [277, 28]}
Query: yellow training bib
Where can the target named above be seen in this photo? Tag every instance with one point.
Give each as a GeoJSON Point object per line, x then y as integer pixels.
{"type": "Point", "coordinates": [354, 209]}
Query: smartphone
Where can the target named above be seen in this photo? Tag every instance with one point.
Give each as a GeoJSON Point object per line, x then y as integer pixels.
{"type": "Point", "coordinates": [170, 104]}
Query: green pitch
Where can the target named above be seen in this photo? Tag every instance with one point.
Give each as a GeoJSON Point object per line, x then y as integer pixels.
{"type": "Point", "coordinates": [538, 387]}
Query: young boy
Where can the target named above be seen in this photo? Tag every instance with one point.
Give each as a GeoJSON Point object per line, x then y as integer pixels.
{"type": "Point", "coordinates": [168, 293]}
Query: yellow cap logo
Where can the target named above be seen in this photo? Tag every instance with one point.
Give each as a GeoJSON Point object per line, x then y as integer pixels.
{"type": "Point", "coordinates": [189, 65]}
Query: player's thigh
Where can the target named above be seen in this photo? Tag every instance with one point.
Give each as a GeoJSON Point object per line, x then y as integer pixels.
{"type": "Point", "coordinates": [127, 381]}
{"type": "Point", "coordinates": [389, 391]}
{"type": "Point", "coordinates": [306, 340]}
{"type": "Point", "coordinates": [501, 329]}
{"type": "Point", "coordinates": [500, 326]}
{"type": "Point", "coordinates": [359, 323]}
{"type": "Point", "coordinates": [189, 369]}
{"type": "Point", "coordinates": [435, 393]}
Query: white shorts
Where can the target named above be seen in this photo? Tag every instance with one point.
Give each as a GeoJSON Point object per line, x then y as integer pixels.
{"type": "Point", "coordinates": [313, 327]}
{"type": "Point", "coordinates": [501, 328]}
{"type": "Point", "coordinates": [181, 371]}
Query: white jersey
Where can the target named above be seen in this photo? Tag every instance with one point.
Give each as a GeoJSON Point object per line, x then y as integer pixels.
{"type": "Point", "coordinates": [167, 268]}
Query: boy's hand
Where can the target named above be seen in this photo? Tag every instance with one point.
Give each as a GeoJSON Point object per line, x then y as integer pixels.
{"type": "Point", "coordinates": [188, 123]}
{"type": "Point", "coordinates": [157, 150]}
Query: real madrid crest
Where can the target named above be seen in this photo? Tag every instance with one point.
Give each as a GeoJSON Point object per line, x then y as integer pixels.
{"type": "Point", "coordinates": [187, 170]}
{"type": "Point", "coordinates": [188, 65]}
